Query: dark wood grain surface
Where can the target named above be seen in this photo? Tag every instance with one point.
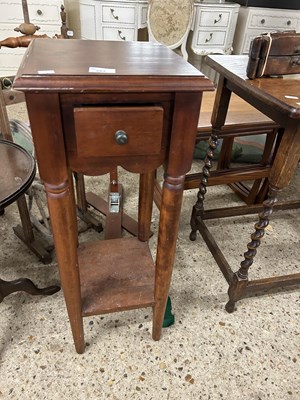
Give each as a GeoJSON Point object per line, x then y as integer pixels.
{"type": "Point", "coordinates": [282, 94]}
{"type": "Point", "coordinates": [139, 63]}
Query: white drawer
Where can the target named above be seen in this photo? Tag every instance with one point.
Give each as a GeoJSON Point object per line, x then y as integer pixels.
{"type": "Point", "coordinates": [211, 38]}
{"type": "Point", "coordinates": [214, 18]}
{"type": "Point", "coordinates": [39, 13]}
{"type": "Point", "coordinates": [118, 33]}
{"type": "Point", "coordinates": [275, 21]}
{"type": "Point", "coordinates": [118, 14]}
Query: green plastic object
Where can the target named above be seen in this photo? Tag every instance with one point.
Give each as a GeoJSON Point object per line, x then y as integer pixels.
{"type": "Point", "coordinates": [169, 318]}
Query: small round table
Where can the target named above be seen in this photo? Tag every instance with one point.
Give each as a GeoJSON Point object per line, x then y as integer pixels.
{"type": "Point", "coordinates": [16, 175]}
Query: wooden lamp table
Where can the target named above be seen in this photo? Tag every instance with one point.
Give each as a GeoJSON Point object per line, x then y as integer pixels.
{"type": "Point", "coordinates": [93, 106]}
{"type": "Point", "coordinates": [279, 99]}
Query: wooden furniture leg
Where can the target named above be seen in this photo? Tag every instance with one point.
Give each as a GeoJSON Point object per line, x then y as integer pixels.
{"type": "Point", "coordinates": [25, 233]}
{"type": "Point", "coordinates": [172, 196]}
{"type": "Point", "coordinates": [64, 226]}
{"type": "Point", "coordinates": [24, 285]}
{"type": "Point", "coordinates": [145, 205]}
{"type": "Point", "coordinates": [218, 120]}
{"type": "Point", "coordinates": [62, 209]}
{"type": "Point", "coordinates": [238, 285]}
{"type": "Point", "coordinates": [259, 190]}
{"type": "Point", "coordinates": [282, 172]}
{"type": "Point", "coordinates": [82, 204]}
{"type": "Point", "coordinates": [112, 209]}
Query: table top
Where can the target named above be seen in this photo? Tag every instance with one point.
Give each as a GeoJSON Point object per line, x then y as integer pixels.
{"type": "Point", "coordinates": [16, 173]}
{"type": "Point", "coordinates": [99, 65]}
{"type": "Point", "coordinates": [282, 94]}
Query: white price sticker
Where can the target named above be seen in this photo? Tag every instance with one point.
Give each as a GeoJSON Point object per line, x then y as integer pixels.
{"type": "Point", "coordinates": [99, 70]}
{"type": "Point", "coordinates": [46, 71]}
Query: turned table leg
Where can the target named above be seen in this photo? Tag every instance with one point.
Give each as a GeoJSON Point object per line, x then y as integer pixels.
{"type": "Point", "coordinates": [186, 112]}
{"type": "Point", "coordinates": [169, 216]}
{"type": "Point", "coordinates": [64, 225]}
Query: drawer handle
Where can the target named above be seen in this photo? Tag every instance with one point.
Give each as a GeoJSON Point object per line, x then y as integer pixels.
{"type": "Point", "coordinates": [218, 20]}
{"type": "Point", "coordinates": [121, 137]}
{"type": "Point", "coordinates": [120, 35]}
{"type": "Point", "coordinates": [210, 37]}
{"type": "Point", "coordinates": [7, 83]}
{"type": "Point", "coordinates": [263, 21]}
{"type": "Point", "coordinates": [112, 13]}
{"type": "Point", "coordinates": [289, 22]}
{"type": "Point", "coordinates": [39, 12]}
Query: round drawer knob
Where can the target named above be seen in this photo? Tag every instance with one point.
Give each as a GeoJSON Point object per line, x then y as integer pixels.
{"type": "Point", "coordinates": [121, 137]}
{"type": "Point", "coordinates": [289, 22]}
{"type": "Point", "coordinates": [262, 21]}
{"type": "Point", "coordinates": [39, 12]}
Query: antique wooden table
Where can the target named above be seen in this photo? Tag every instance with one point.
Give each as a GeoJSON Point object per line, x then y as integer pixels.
{"type": "Point", "coordinates": [94, 105]}
{"type": "Point", "coordinates": [279, 99]}
{"type": "Point", "coordinates": [16, 175]}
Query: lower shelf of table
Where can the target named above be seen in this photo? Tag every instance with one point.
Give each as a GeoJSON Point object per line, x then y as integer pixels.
{"type": "Point", "coordinates": [115, 275]}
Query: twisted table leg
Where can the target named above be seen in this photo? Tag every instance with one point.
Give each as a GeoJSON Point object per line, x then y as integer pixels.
{"type": "Point", "coordinates": [238, 285]}
{"type": "Point", "coordinates": [198, 207]}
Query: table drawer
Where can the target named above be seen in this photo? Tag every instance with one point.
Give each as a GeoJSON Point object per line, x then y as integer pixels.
{"type": "Point", "coordinates": [118, 14]}
{"type": "Point", "coordinates": [118, 131]}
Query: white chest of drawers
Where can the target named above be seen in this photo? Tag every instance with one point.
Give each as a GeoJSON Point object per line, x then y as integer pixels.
{"type": "Point", "coordinates": [44, 13]}
{"type": "Point", "coordinates": [253, 21]}
{"type": "Point", "coordinates": [112, 20]}
{"type": "Point", "coordinates": [213, 24]}
{"type": "Point", "coordinates": [213, 27]}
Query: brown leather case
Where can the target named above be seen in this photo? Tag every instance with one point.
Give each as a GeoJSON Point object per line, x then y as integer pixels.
{"type": "Point", "coordinates": [276, 53]}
